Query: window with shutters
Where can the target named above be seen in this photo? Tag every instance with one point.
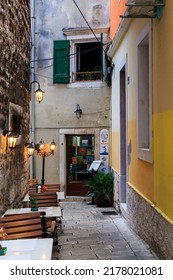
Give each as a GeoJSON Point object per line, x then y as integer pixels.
{"type": "Point", "coordinates": [61, 70]}
{"type": "Point", "coordinates": [79, 58]}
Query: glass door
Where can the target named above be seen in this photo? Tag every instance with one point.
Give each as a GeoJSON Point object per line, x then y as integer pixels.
{"type": "Point", "coordinates": [80, 155]}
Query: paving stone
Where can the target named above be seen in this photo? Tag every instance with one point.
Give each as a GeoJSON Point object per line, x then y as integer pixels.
{"type": "Point", "coordinates": [88, 234]}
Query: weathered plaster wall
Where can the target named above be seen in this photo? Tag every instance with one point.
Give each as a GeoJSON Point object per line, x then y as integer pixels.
{"type": "Point", "coordinates": [53, 16]}
{"type": "Point", "coordinates": [14, 84]}
{"type": "Point", "coordinates": [56, 111]}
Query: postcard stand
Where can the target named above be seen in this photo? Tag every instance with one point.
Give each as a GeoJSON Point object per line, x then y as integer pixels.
{"type": "Point", "coordinates": [94, 167]}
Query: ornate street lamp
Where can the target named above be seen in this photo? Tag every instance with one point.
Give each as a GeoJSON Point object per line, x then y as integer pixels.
{"type": "Point", "coordinates": [43, 150]}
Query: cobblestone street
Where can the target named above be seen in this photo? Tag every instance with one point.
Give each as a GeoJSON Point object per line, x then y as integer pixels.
{"type": "Point", "coordinates": [88, 234]}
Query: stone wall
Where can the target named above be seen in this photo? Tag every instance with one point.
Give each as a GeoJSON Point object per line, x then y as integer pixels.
{"type": "Point", "coordinates": [116, 197]}
{"type": "Point", "coordinates": [145, 220]}
{"type": "Point", "coordinates": [14, 85]}
{"type": "Point", "coordinates": [150, 224]}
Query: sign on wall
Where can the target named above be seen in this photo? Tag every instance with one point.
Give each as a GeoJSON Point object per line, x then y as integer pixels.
{"type": "Point", "coordinates": [104, 150]}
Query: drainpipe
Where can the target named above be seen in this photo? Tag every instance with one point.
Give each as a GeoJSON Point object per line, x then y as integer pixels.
{"type": "Point", "coordinates": [32, 78]}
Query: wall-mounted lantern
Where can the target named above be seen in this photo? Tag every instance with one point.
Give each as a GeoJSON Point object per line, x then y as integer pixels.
{"type": "Point", "coordinates": [78, 111]}
{"type": "Point", "coordinates": [30, 148]}
{"type": "Point", "coordinates": [39, 92]}
{"type": "Point", "coordinates": [12, 138]}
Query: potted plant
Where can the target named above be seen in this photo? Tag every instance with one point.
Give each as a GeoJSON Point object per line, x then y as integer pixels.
{"type": "Point", "coordinates": [2, 237]}
{"type": "Point", "coordinates": [33, 203]}
{"type": "Point", "coordinates": [101, 189]}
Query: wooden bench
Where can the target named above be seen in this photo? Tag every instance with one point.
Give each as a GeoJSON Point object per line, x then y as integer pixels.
{"type": "Point", "coordinates": [44, 199]}
{"type": "Point", "coordinates": [49, 188]}
{"type": "Point", "coordinates": [19, 226]}
{"type": "Point", "coordinates": [53, 187]}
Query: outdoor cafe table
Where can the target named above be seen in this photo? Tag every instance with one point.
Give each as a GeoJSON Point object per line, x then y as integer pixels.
{"type": "Point", "coordinates": [60, 196]}
{"type": "Point", "coordinates": [28, 249]}
{"type": "Point", "coordinates": [51, 212]}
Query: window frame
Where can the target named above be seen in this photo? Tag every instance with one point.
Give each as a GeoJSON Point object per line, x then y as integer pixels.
{"type": "Point", "coordinates": [73, 60]}
{"type": "Point", "coordinates": [144, 152]}
{"type": "Point", "coordinates": [84, 35]}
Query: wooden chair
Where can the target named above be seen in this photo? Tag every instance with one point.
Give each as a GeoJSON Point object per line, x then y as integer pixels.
{"type": "Point", "coordinates": [49, 199]}
{"type": "Point", "coordinates": [25, 225]}
{"type": "Point", "coordinates": [45, 199]}
{"type": "Point", "coordinates": [53, 187]}
{"type": "Point", "coordinates": [49, 188]}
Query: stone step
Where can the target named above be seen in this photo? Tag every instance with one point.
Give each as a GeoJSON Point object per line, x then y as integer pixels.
{"type": "Point", "coordinates": [77, 198]}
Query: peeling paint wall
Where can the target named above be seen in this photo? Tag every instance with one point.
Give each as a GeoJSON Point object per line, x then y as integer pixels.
{"type": "Point", "coordinates": [56, 111]}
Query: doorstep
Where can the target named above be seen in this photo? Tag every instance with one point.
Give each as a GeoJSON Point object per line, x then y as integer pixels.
{"type": "Point", "coordinates": [77, 198]}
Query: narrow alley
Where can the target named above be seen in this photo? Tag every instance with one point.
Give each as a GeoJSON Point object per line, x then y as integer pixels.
{"type": "Point", "coordinates": [87, 233]}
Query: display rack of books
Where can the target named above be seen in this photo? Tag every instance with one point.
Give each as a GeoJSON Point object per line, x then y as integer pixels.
{"type": "Point", "coordinates": [82, 155]}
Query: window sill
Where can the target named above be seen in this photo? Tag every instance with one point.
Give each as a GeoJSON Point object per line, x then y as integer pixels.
{"type": "Point", "coordinates": [145, 154]}
{"type": "Point", "coordinates": [98, 84]}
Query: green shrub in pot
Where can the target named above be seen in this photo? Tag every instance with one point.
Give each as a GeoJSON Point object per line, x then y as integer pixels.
{"type": "Point", "coordinates": [101, 189]}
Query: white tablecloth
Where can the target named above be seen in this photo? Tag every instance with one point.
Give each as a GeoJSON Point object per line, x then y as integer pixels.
{"type": "Point", "coordinates": [28, 249]}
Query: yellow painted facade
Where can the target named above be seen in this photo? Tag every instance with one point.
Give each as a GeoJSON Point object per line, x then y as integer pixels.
{"type": "Point", "coordinates": [163, 165]}
{"type": "Point", "coordinates": [140, 172]}
{"type": "Point", "coordinates": [154, 181]}
{"type": "Point", "coordinates": [115, 151]}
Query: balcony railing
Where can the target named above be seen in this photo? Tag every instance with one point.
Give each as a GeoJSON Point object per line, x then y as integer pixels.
{"type": "Point", "coordinates": [86, 76]}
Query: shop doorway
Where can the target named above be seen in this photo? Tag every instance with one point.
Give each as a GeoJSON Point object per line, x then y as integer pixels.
{"type": "Point", "coordinates": [80, 154]}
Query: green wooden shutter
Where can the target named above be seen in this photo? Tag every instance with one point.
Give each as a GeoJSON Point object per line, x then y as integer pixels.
{"type": "Point", "coordinates": [61, 71]}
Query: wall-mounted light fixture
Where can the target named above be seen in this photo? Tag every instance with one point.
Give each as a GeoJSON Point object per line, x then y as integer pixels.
{"type": "Point", "coordinates": [5, 131]}
{"type": "Point", "coordinates": [12, 138]}
{"type": "Point", "coordinates": [39, 92]}
{"type": "Point", "coordinates": [78, 111]}
{"type": "Point", "coordinates": [43, 150]}
{"type": "Point", "coordinates": [30, 148]}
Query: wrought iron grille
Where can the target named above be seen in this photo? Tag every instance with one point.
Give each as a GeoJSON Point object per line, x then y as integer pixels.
{"type": "Point", "coordinates": [86, 76]}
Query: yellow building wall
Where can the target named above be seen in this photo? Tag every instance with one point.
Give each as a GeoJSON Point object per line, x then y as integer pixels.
{"type": "Point", "coordinates": [154, 181]}
{"type": "Point", "coordinates": [163, 165]}
{"type": "Point", "coordinates": [141, 176]}
{"type": "Point", "coordinates": [140, 173]}
{"type": "Point", "coordinates": [115, 151]}
{"type": "Point", "coordinates": [163, 111]}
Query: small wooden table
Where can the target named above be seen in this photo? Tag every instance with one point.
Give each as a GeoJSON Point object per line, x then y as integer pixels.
{"type": "Point", "coordinates": [28, 249]}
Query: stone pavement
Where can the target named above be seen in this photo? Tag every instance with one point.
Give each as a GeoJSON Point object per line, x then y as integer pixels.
{"type": "Point", "coordinates": [87, 234]}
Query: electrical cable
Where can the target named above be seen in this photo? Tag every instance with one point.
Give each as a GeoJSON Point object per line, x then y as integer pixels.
{"type": "Point", "coordinates": [73, 54]}
{"type": "Point", "coordinates": [88, 24]}
{"type": "Point", "coordinates": [83, 52]}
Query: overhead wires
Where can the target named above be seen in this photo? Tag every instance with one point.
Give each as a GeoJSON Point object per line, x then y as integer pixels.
{"type": "Point", "coordinates": [82, 52]}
